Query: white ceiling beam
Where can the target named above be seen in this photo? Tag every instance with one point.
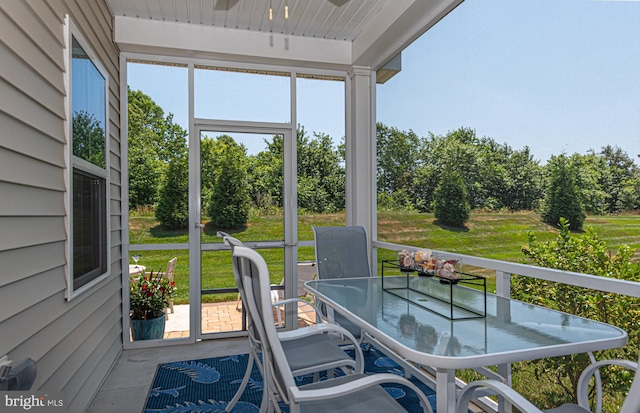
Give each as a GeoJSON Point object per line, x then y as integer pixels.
{"type": "Point", "coordinates": [395, 27]}
{"type": "Point", "coordinates": [193, 40]}
{"type": "Point", "coordinates": [376, 27]}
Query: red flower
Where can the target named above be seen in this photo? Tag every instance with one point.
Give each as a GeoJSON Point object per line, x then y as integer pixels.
{"type": "Point", "coordinates": [149, 296]}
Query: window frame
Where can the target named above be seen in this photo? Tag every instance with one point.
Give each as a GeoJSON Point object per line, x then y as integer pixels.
{"type": "Point", "coordinates": [85, 168]}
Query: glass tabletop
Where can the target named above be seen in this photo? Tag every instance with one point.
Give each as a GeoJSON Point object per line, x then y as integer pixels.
{"type": "Point", "coordinates": [511, 331]}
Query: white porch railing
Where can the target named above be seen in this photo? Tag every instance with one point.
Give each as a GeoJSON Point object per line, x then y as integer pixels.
{"type": "Point", "coordinates": [504, 269]}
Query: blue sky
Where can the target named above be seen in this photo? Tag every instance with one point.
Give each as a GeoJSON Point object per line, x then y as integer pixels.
{"type": "Point", "coordinates": [553, 75]}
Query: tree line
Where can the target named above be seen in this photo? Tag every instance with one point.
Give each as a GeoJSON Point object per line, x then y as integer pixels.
{"type": "Point", "coordinates": [458, 172]}
{"type": "Point", "coordinates": [423, 173]}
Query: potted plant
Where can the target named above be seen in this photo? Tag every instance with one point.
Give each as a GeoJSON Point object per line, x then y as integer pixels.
{"type": "Point", "coordinates": [148, 298]}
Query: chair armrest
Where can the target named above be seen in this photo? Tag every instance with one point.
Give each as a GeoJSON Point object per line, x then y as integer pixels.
{"type": "Point", "coordinates": [317, 329]}
{"type": "Point", "coordinates": [299, 300]}
{"type": "Point", "coordinates": [585, 377]}
{"type": "Point", "coordinates": [306, 395]}
{"type": "Point", "coordinates": [482, 388]}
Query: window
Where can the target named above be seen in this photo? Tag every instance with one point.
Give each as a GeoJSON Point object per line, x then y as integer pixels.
{"type": "Point", "coordinates": [89, 180]}
{"type": "Point", "coordinates": [89, 223]}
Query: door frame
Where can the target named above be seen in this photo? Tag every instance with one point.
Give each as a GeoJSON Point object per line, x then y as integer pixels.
{"type": "Point", "coordinates": [290, 241]}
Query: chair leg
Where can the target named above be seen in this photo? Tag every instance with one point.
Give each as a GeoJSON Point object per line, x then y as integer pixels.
{"type": "Point", "coordinates": [266, 404]}
{"type": "Point", "coordinates": [238, 301]}
{"type": "Point", "coordinates": [272, 405]}
{"type": "Point", "coordinates": [243, 384]}
{"type": "Point", "coordinates": [278, 315]}
{"type": "Point", "coordinates": [269, 403]}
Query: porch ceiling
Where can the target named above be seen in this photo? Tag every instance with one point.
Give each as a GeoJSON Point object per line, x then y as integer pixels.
{"type": "Point", "coordinates": [322, 34]}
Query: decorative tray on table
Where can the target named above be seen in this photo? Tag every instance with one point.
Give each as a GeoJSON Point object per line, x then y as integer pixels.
{"type": "Point", "coordinates": [435, 285]}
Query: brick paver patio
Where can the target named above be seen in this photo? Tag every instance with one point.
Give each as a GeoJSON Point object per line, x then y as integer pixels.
{"type": "Point", "coordinates": [220, 317]}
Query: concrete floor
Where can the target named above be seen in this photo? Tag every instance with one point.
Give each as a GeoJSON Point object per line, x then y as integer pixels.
{"type": "Point", "coordinates": [125, 389]}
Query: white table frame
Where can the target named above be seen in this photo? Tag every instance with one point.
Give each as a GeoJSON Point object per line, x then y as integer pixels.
{"type": "Point", "coordinates": [136, 269]}
{"type": "Point", "coordinates": [445, 366]}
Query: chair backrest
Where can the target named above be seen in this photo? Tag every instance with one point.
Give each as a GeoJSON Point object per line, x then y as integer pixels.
{"type": "Point", "coordinates": [342, 252]}
{"type": "Point", "coordinates": [256, 284]}
{"type": "Point", "coordinates": [306, 272]}
{"type": "Point", "coordinates": [171, 268]}
{"type": "Point", "coordinates": [233, 243]}
{"type": "Point", "coordinates": [632, 401]}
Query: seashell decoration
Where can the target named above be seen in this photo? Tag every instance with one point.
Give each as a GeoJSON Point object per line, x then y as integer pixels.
{"type": "Point", "coordinates": [424, 261]}
{"type": "Point", "coordinates": [405, 259]}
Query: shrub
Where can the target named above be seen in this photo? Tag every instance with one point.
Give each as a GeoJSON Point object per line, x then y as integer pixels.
{"type": "Point", "coordinates": [173, 207]}
{"type": "Point", "coordinates": [229, 205]}
{"type": "Point", "coordinates": [586, 254]}
{"type": "Point", "coordinates": [451, 205]}
{"type": "Point", "coordinates": [562, 199]}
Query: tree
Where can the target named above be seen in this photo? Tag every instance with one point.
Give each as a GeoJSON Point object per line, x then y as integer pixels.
{"type": "Point", "coordinates": [589, 175]}
{"type": "Point", "coordinates": [397, 154]}
{"type": "Point", "coordinates": [88, 138]}
{"type": "Point", "coordinates": [153, 142]}
{"type": "Point", "coordinates": [265, 181]}
{"type": "Point", "coordinates": [321, 177]}
{"type": "Point", "coordinates": [451, 206]}
{"type": "Point", "coordinates": [523, 189]}
{"type": "Point", "coordinates": [320, 170]}
{"type": "Point", "coordinates": [145, 174]}
{"type": "Point", "coordinates": [458, 150]}
{"type": "Point", "coordinates": [620, 180]}
{"type": "Point", "coordinates": [562, 198]}
{"type": "Point", "coordinates": [229, 204]}
{"type": "Point", "coordinates": [173, 206]}
{"type": "Point", "coordinates": [210, 150]}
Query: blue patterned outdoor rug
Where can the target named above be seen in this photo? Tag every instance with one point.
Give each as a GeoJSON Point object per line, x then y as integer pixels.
{"type": "Point", "coordinates": [207, 385]}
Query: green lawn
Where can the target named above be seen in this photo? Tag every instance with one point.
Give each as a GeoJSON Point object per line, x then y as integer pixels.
{"type": "Point", "coordinates": [497, 235]}
{"type": "Point", "coordinates": [490, 235]}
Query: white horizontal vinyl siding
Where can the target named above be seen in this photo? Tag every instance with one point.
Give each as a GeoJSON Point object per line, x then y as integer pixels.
{"type": "Point", "coordinates": [76, 342]}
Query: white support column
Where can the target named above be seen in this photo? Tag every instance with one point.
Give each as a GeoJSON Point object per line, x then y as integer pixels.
{"type": "Point", "coordinates": [361, 149]}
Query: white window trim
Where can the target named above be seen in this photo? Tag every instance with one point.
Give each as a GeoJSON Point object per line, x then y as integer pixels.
{"type": "Point", "coordinates": [74, 162]}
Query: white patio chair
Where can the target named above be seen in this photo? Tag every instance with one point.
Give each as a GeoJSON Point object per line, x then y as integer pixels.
{"type": "Point", "coordinates": [297, 344]}
{"type": "Point", "coordinates": [355, 393]}
{"type": "Point", "coordinates": [494, 387]}
{"type": "Point", "coordinates": [341, 252]}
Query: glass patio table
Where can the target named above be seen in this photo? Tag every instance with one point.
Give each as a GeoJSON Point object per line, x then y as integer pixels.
{"type": "Point", "coordinates": [511, 331]}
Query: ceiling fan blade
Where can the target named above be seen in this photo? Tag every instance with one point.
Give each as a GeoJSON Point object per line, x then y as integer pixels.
{"type": "Point", "coordinates": [225, 4]}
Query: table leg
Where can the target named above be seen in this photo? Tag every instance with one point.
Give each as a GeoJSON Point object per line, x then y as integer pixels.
{"type": "Point", "coordinates": [445, 390]}
{"type": "Point", "coordinates": [505, 371]}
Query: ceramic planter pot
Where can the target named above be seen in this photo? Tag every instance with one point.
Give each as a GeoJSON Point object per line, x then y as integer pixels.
{"type": "Point", "coordinates": [152, 329]}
